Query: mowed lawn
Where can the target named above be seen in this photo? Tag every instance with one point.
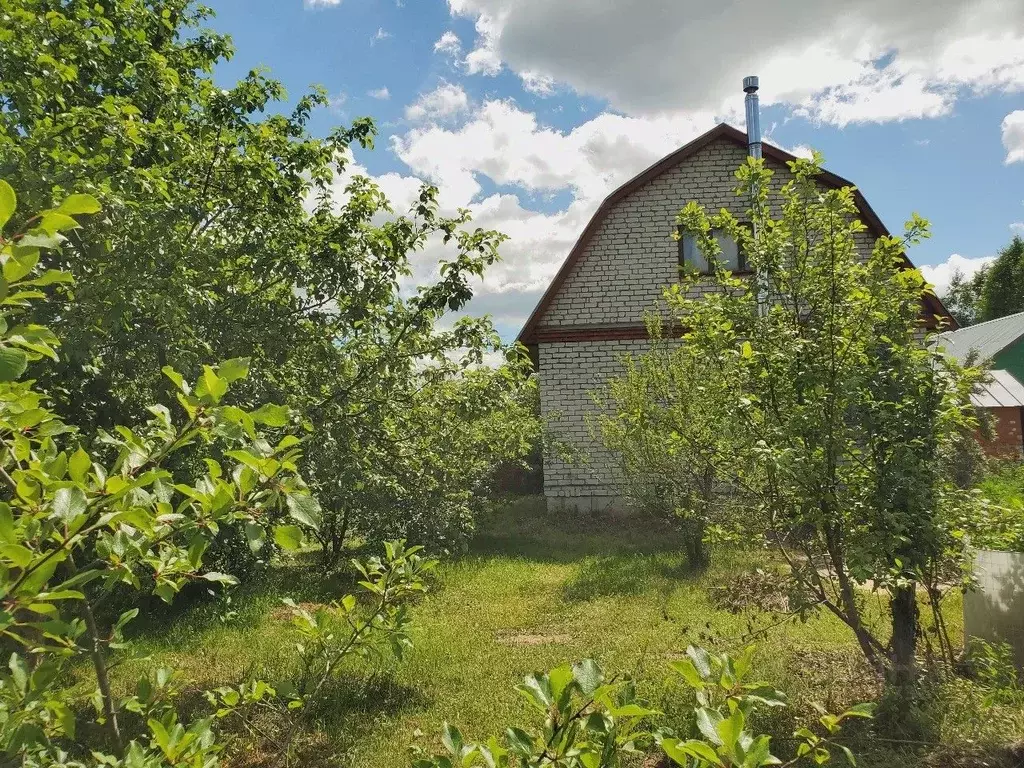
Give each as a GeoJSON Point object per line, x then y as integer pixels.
{"type": "Point", "coordinates": [533, 592]}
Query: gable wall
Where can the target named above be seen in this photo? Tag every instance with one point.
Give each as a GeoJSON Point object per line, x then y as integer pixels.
{"type": "Point", "coordinates": [618, 277]}
{"type": "Point", "coordinates": [622, 271]}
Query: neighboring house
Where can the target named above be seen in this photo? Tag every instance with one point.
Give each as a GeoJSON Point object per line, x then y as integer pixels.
{"type": "Point", "coordinates": [1000, 343]}
{"type": "Point", "coordinates": [593, 311]}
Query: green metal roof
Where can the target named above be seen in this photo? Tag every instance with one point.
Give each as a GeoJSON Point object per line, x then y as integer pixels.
{"type": "Point", "coordinates": [989, 338]}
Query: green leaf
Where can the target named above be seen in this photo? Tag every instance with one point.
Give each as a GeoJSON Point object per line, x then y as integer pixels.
{"type": "Point", "coordinates": [519, 741]}
{"type": "Point", "coordinates": [54, 222]}
{"type": "Point", "coordinates": [256, 536]}
{"type": "Point", "coordinates": [759, 753]}
{"type": "Point", "coordinates": [729, 729]}
{"type": "Point", "coordinates": [220, 578]}
{"type": "Point", "coordinates": [560, 678]}
{"type": "Point", "coordinates": [708, 721]}
{"type": "Point", "coordinates": [69, 503]}
{"type": "Point", "coordinates": [681, 752]}
{"type": "Point", "coordinates": [78, 465]}
{"type": "Point", "coordinates": [271, 415]}
{"type": "Point", "coordinates": [51, 276]}
{"type": "Point", "coordinates": [689, 673]}
{"type": "Point", "coordinates": [588, 675]}
{"type": "Point", "coordinates": [76, 204]}
{"type": "Point", "coordinates": [17, 554]}
{"type": "Point", "coordinates": [8, 533]}
{"type": "Point", "coordinates": [451, 739]}
{"type": "Point", "coordinates": [288, 537]}
{"type": "Point", "coordinates": [234, 369]}
{"type": "Point", "coordinates": [701, 661]}
{"type": "Point", "coordinates": [210, 385]}
{"type": "Point", "coordinates": [746, 350]}
{"type": "Point", "coordinates": [8, 202]}
{"type": "Point", "coordinates": [177, 378]}
{"type": "Point", "coordinates": [304, 509]}
{"type": "Point", "coordinates": [865, 709]}
{"type": "Point", "coordinates": [13, 363]}
{"type": "Point", "coordinates": [19, 672]}
{"type": "Point", "coordinates": [537, 689]}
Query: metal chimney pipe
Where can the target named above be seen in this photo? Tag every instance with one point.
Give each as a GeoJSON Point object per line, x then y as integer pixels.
{"type": "Point", "coordinates": [750, 86]}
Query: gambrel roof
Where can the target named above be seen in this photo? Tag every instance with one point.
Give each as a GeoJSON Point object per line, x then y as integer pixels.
{"type": "Point", "coordinates": [527, 336]}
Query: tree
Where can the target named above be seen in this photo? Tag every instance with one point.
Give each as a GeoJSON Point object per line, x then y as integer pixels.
{"type": "Point", "coordinates": [84, 516]}
{"type": "Point", "coordinates": [668, 423]}
{"type": "Point", "coordinates": [840, 408]}
{"type": "Point", "coordinates": [229, 230]}
{"type": "Point", "coordinates": [994, 291]}
{"type": "Point", "coordinates": [1003, 288]}
{"type": "Point", "coordinates": [964, 296]}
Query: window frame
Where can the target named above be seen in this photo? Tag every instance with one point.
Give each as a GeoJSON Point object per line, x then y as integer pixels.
{"type": "Point", "coordinates": [741, 256]}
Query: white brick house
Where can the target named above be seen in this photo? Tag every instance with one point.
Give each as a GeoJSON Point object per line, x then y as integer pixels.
{"type": "Point", "coordinates": [593, 311]}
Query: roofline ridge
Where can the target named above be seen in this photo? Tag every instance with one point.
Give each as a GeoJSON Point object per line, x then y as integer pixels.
{"type": "Point", "coordinates": [985, 322]}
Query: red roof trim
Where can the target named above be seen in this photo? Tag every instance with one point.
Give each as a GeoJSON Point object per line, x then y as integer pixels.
{"type": "Point", "coordinates": [570, 333]}
{"type": "Point", "coordinates": [530, 335]}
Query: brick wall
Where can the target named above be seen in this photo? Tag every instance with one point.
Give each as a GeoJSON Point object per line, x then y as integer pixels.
{"type": "Point", "coordinates": [620, 276]}
{"type": "Point", "coordinates": [632, 256]}
{"type": "Point", "coordinates": [1007, 437]}
{"type": "Point", "coordinates": [570, 372]}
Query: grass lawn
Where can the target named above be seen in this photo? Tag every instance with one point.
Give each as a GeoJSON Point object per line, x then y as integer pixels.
{"type": "Point", "coordinates": [532, 592]}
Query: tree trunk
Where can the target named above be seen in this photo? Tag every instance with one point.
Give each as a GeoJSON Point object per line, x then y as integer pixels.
{"type": "Point", "coordinates": [903, 671]}
{"type": "Point", "coordinates": [698, 557]}
{"type": "Point", "coordinates": [100, 665]}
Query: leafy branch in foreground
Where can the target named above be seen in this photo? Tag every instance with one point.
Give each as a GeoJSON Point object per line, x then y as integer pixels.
{"type": "Point", "coordinates": [594, 722]}
{"type": "Point", "coordinates": [331, 633]}
{"type": "Point", "coordinates": [82, 517]}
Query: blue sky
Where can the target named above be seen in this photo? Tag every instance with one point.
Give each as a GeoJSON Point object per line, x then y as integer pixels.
{"type": "Point", "coordinates": [531, 111]}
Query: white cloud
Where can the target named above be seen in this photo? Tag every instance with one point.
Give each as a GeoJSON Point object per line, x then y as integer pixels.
{"type": "Point", "coordinates": [484, 59]}
{"type": "Point", "coordinates": [508, 145]}
{"type": "Point", "coordinates": [1013, 136]}
{"type": "Point", "coordinates": [940, 274]}
{"type": "Point", "coordinates": [845, 61]}
{"type": "Point", "coordinates": [381, 93]}
{"type": "Point", "coordinates": [320, 3]}
{"type": "Point", "coordinates": [444, 102]}
{"type": "Point", "coordinates": [540, 85]}
{"type": "Point", "coordinates": [380, 34]}
{"type": "Point", "coordinates": [1017, 227]}
{"type": "Point", "coordinates": [448, 44]}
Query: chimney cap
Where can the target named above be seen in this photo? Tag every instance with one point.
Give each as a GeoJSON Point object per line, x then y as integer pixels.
{"type": "Point", "coordinates": [750, 84]}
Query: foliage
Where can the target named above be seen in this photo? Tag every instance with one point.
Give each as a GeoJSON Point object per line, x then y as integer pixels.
{"type": "Point", "coordinates": [963, 297]}
{"type": "Point", "coordinates": [667, 423]}
{"type": "Point", "coordinates": [993, 515]}
{"type": "Point", "coordinates": [838, 410]}
{"type": "Point", "coordinates": [228, 231]}
{"type": "Point", "coordinates": [1003, 289]}
{"type": "Point", "coordinates": [594, 722]}
{"type": "Point", "coordinates": [993, 666]}
{"type": "Point", "coordinates": [80, 517]}
{"type": "Point", "coordinates": [329, 634]}
{"type": "Point", "coordinates": [994, 291]}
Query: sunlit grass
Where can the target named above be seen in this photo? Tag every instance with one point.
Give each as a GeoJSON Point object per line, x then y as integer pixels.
{"type": "Point", "coordinates": [533, 592]}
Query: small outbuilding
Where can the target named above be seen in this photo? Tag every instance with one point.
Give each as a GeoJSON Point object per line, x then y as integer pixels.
{"type": "Point", "coordinates": [999, 342]}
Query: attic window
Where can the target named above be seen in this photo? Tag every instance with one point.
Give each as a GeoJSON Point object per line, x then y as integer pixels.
{"type": "Point", "coordinates": [691, 256]}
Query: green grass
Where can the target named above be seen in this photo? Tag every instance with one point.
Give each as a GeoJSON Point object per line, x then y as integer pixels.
{"type": "Point", "coordinates": [532, 593]}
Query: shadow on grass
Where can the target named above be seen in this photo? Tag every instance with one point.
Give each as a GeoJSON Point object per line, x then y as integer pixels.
{"type": "Point", "coordinates": [618, 575]}
{"type": "Point", "coordinates": [353, 708]}
{"type": "Point", "coordinates": [202, 605]}
{"type": "Point", "coordinates": [523, 528]}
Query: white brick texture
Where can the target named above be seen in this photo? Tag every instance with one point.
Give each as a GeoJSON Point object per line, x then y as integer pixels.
{"type": "Point", "coordinates": [621, 275]}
